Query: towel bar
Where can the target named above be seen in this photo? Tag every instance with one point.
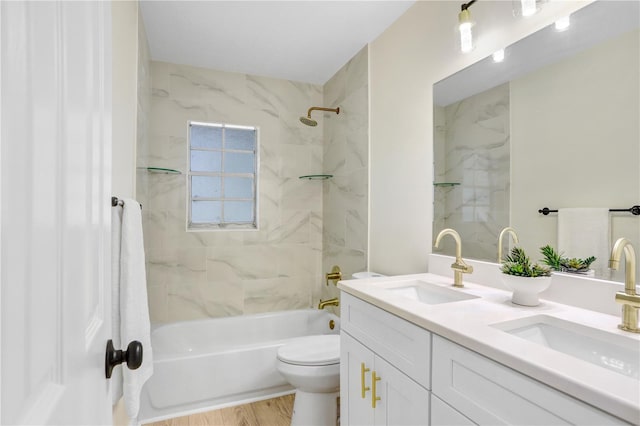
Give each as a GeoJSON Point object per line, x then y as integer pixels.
{"type": "Point", "coordinates": [635, 210]}
{"type": "Point", "coordinates": [116, 202]}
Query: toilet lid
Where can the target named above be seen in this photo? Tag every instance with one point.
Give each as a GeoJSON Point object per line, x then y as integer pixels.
{"type": "Point", "coordinates": [311, 350]}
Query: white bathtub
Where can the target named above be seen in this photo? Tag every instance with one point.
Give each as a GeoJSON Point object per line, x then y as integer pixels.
{"type": "Point", "coordinates": [207, 364]}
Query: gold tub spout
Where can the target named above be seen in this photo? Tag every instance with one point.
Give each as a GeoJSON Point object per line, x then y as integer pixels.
{"type": "Point", "coordinates": [330, 302]}
{"type": "Point", "coordinates": [459, 267]}
{"type": "Point", "coordinates": [629, 299]}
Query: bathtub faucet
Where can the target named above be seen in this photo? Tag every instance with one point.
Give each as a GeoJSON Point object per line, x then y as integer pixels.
{"type": "Point", "coordinates": [330, 302]}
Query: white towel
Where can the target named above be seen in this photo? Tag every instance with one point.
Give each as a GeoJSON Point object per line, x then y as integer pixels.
{"type": "Point", "coordinates": [584, 232]}
{"type": "Point", "coordinates": [133, 306]}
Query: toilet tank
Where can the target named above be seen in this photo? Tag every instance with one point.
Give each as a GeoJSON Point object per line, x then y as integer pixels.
{"type": "Point", "coordinates": [366, 274]}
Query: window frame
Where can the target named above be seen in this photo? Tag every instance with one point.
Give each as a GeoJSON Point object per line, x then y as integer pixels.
{"type": "Point", "coordinates": [223, 225]}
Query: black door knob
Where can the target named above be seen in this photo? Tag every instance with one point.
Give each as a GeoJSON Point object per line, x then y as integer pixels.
{"type": "Point", "coordinates": [132, 356]}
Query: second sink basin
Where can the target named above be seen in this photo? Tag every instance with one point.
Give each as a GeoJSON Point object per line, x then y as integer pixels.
{"type": "Point", "coordinates": [429, 294]}
{"type": "Point", "coordinates": [611, 351]}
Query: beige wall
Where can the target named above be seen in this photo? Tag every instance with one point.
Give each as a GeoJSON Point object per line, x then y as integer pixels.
{"type": "Point", "coordinates": [419, 49]}
{"type": "Point", "coordinates": [124, 15]}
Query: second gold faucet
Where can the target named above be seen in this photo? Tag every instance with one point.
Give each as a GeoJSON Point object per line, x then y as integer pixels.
{"type": "Point", "coordinates": [511, 231]}
{"type": "Point", "coordinates": [629, 299]}
{"type": "Point", "coordinates": [459, 267]}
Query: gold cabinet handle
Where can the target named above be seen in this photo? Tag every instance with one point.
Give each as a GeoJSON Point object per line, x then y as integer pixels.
{"type": "Point", "coordinates": [374, 398]}
{"type": "Point", "coordinates": [362, 371]}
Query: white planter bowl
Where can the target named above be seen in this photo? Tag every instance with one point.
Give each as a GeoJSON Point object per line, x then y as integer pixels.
{"type": "Point", "coordinates": [525, 289]}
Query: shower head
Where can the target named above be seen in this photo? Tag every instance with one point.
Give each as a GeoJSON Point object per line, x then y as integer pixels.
{"type": "Point", "coordinates": [308, 121]}
{"type": "Point", "coordinates": [311, 122]}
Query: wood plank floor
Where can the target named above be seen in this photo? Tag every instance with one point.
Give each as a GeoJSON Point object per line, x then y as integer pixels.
{"type": "Point", "coordinates": [270, 412]}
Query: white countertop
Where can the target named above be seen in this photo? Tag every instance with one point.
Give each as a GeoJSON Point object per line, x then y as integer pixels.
{"type": "Point", "coordinates": [468, 323]}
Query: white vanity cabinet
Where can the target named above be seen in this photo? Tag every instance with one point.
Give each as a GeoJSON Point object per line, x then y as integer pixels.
{"type": "Point", "coordinates": [428, 380]}
{"type": "Point", "coordinates": [379, 353]}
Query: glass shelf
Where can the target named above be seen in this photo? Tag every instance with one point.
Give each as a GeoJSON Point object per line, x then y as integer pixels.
{"type": "Point", "coordinates": [316, 177]}
{"type": "Point", "coordinates": [444, 184]}
{"type": "Point", "coordinates": [161, 170]}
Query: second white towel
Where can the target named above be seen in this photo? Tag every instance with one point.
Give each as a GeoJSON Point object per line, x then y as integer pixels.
{"type": "Point", "coordinates": [131, 308]}
{"type": "Point", "coordinates": [584, 232]}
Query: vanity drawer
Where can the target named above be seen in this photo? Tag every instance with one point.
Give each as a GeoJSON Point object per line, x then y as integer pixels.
{"type": "Point", "coordinates": [404, 345]}
{"type": "Point", "coordinates": [490, 393]}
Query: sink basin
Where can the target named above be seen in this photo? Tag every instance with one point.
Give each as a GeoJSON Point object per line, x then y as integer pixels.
{"type": "Point", "coordinates": [429, 293]}
{"type": "Point", "coordinates": [611, 351]}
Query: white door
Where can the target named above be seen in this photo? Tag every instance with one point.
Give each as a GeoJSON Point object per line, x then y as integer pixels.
{"type": "Point", "coordinates": [55, 152]}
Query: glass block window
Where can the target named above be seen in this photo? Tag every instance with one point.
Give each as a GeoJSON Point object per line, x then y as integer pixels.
{"type": "Point", "coordinates": [223, 164]}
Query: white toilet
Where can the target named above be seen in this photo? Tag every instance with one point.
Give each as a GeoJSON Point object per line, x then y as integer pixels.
{"type": "Point", "coordinates": [312, 365]}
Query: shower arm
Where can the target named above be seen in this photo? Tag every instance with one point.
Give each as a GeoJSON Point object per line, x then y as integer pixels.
{"type": "Point", "coordinates": [336, 110]}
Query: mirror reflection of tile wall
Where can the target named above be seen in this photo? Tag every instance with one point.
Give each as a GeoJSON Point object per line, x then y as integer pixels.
{"type": "Point", "coordinates": [472, 152]}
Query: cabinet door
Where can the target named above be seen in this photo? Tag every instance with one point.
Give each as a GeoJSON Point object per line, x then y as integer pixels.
{"type": "Point", "coordinates": [403, 402]}
{"type": "Point", "coordinates": [356, 366]}
{"type": "Point", "coordinates": [444, 415]}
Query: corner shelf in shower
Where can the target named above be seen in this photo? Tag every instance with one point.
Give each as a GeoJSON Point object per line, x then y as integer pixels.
{"type": "Point", "coordinates": [316, 177]}
{"type": "Point", "coordinates": [445, 184]}
{"type": "Point", "coordinates": [161, 170]}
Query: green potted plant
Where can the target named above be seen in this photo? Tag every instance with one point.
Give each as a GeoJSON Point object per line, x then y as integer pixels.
{"type": "Point", "coordinates": [558, 263]}
{"type": "Point", "coordinates": [524, 278]}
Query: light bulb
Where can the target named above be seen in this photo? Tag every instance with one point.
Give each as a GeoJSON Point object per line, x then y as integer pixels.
{"type": "Point", "coordinates": [498, 56]}
{"type": "Point", "coordinates": [563, 23]}
{"type": "Point", "coordinates": [528, 7]}
{"type": "Point", "coordinates": [466, 37]}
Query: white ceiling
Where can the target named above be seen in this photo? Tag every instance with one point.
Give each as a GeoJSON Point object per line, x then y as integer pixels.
{"type": "Point", "coordinates": [306, 41]}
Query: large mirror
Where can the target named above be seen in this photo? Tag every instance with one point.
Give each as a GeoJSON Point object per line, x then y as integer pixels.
{"type": "Point", "coordinates": [556, 125]}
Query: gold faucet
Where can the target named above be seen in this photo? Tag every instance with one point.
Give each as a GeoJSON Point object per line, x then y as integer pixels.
{"type": "Point", "coordinates": [459, 267]}
{"type": "Point", "coordinates": [629, 299]}
{"type": "Point", "coordinates": [514, 236]}
{"type": "Point", "coordinates": [333, 302]}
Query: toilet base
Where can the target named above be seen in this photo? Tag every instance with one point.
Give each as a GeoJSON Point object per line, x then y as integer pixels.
{"type": "Point", "coordinates": [315, 409]}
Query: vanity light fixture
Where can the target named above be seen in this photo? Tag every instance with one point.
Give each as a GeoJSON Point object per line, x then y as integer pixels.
{"type": "Point", "coordinates": [526, 8]}
{"type": "Point", "coordinates": [498, 56]}
{"type": "Point", "coordinates": [563, 23]}
{"type": "Point", "coordinates": [464, 25]}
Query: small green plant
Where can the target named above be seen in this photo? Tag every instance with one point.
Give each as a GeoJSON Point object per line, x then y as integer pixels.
{"type": "Point", "coordinates": [556, 262]}
{"type": "Point", "coordinates": [518, 263]}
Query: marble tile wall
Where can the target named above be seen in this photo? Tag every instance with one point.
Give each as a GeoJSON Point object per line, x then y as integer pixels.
{"type": "Point", "coordinates": [473, 137]}
{"type": "Point", "coordinates": [194, 275]}
{"type": "Point", "coordinates": [346, 152]}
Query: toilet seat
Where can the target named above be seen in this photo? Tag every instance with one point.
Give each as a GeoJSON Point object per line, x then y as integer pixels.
{"type": "Point", "coordinates": [311, 350]}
